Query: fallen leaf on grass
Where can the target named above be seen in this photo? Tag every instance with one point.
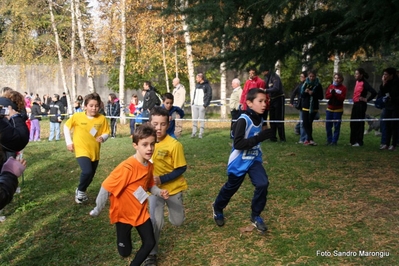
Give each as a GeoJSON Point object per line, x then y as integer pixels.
{"type": "Point", "coordinates": [246, 229]}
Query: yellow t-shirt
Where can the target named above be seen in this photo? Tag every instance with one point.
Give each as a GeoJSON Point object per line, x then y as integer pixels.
{"type": "Point", "coordinates": [168, 155]}
{"type": "Point", "coordinates": [122, 182]}
{"type": "Point", "coordinates": [85, 132]}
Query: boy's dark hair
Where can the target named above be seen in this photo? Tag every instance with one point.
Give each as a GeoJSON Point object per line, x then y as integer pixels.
{"type": "Point", "coordinates": [390, 71]}
{"type": "Point", "coordinates": [57, 96]}
{"type": "Point", "coordinates": [167, 95]}
{"type": "Point", "coordinates": [92, 96]}
{"type": "Point", "coordinates": [144, 131]}
{"type": "Point", "coordinates": [252, 93]}
{"type": "Point", "coordinates": [252, 68]}
{"type": "Point", "coordinates": [159, 111]}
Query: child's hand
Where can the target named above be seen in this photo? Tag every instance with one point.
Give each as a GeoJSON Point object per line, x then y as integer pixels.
{"type": "Point", "coordinates": [164, 194]}
{"type": "Point", "coordinates": [157, 180]}
{"type": "Point", "coordinates": [100, 139]}
{"type": "Point", "coordinates": [71, 148]}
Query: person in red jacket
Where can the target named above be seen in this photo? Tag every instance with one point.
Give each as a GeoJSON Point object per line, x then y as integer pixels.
{"type": "Point", "coordinates": [254, 82]}
{"type": "Point", "coordinates": [335, 94]}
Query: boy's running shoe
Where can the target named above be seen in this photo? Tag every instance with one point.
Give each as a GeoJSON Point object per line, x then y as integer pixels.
{"type": "Point", "coordinates": [151, 260]}
{"type": "Point", "coordinates": [257, 221]}
{"type": "Point", "coordinates": [217, 216]}
{"type": "Point", "coordinates": [80, 196]}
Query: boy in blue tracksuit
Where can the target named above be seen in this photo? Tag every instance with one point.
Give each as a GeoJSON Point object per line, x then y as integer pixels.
{"type": "Point", "coordinates": [246, 157]}
{"type": "Point", "coordinates": [167, 100]}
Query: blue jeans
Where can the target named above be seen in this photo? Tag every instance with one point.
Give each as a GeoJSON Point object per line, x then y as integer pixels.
{"type": "Point", "coordinates": [54, 128]}
{"type": "Point", "coordinates": [259, 179]}
{"type": "Point", "coordinates": [302, 131]}
{"type": "Point", "coordinates": [333, 138]}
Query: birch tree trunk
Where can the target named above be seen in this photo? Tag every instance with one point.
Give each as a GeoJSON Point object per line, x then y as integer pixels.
{"type": "Point", "coordinates": [164, 54]}
{"type": "Point", "coordinates": [122, 63]}
{"type": "Point", "coordinates": [60, 60]}
{"type": "Point", "coordinates": [89, 74]}
{"type": "Point", "coordinates": [336, 63]}
{"type": "Point", "coordinates": [189, 50]}
{"type": "Point", "coordinates": [73, 60]}
{"type": "Point", "coordinates": [223, 85]}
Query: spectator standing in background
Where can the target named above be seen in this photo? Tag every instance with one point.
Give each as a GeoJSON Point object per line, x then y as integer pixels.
{"type": "Point", "coordinates": [179, 95]}
{"type": "Point", "coordinates": [200, 101]}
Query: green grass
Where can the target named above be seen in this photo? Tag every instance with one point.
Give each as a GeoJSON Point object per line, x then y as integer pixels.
{"type": "Point", "coordinates": [320, 199]}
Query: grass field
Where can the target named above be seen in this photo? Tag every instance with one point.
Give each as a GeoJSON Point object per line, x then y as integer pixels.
{"type": "Point", "coordinates": [326, 206]}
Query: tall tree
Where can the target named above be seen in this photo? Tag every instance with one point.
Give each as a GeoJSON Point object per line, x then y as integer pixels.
{"type": "Point", "coordinates": [122, 61]}
{"type": "Point", "coordinates": [60, 59]}
{"type": "Point", "coordinates": [83, 47]}
{"type": "Point", "coordinates": [268, 31]}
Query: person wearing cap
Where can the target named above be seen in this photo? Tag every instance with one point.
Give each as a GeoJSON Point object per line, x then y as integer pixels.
{"type": "Point", "coordinates": [56, 113]}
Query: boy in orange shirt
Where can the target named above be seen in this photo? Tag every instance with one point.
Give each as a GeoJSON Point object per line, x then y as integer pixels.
{"type": "Point", "coordinates": [127, 187]}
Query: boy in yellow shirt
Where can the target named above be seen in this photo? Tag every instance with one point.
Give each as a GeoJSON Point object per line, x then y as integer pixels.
{"type": "Point", "coordinates": [169, 166]}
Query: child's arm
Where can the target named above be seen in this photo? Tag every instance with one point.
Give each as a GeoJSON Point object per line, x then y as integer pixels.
{"type": "Point", "coordinates": [68, 139]}
{"type": "Point", "coordinates": [242, 143]}
{"type": "Point", "coordinates": [102, 198]}
{"type": "Point", "coordinates": [163, 193]}
{"type": "Point", "coordinates": [172, 175]}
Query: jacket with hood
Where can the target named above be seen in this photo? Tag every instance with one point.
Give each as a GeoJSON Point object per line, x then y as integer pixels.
{"type": "Point", "coordinates": [202, 94]}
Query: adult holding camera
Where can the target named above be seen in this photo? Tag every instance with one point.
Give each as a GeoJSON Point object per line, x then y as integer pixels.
{"type": "Point", "coordinates": [14, 136]}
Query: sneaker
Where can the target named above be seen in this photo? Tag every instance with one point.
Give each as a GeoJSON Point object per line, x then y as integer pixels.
{"type": "Point", "coordinates": [151, 260]}
{"type": "Point", "coordinates": [383, 147]}
{"type": "Point", "coordinates": [80, 196]}
{"type": "Point", "coordinates": [257, 221]}
{"type": "Point", "coordinates": [299, 142]}
{"type": "Point", "coordinates": [312, 143]}
{"type": "Point", "coordinates": [356, 145]}
{"type": "Point", "coordinates": [391, 148]}
{"type": "Point", "coordinates": [193, 135]}
{"type": "Point", "coordinates": [217, 216]}
{"type": "Point", "coordinates": [200, 136]}
{"type": "Point", "coordinates": [306, 143]}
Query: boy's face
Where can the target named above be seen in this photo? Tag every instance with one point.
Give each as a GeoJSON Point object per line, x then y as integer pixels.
{"type": "Point", "coordinates": [92, 108]}
{"type": "Point", "coordinates": [258, 104]}
{"type": "Point", "coordinates": [161, 124]}
{"type": "Point", "coordinates": [168, 103]}
{"type": "Point", "coordinates": [144, 148]}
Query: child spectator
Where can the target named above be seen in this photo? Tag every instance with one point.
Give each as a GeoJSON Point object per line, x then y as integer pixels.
{"type": "Point", "coordinates": [90, 129]}
{"type": "Point", "coordinates": [335, 94]}
{"type": "Point", "coordinates": [126, 188]}
{"type": "Point", "coordinates": [113, 110]}
{"type": "Point", "coordinates": [35, 117]}
{"type": "Point", "coordinates": [246, 157]}
{"type": "Point", "coordinates": [77, 108]}
{"type": "Point", "coordinates": [167, 100]}
{"type": "Point", "coordinates": [133, 111]}
{"type": "Point", "coordinates": [169, 166]}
